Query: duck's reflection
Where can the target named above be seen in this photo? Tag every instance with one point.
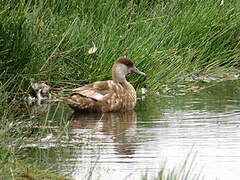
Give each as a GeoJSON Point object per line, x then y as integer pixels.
{"type": "Point", "coordinates": [120, 127]}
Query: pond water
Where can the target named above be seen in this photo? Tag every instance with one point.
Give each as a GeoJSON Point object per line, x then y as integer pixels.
{"type": "Point", "coordinates": [164, 131]}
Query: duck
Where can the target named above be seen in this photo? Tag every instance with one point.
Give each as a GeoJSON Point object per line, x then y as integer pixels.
{"type": "Point", "coordinates": [116, 95]}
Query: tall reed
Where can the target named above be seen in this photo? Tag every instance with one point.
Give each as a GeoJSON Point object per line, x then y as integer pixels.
{"type": "Point", "coordinates": [166, 39]}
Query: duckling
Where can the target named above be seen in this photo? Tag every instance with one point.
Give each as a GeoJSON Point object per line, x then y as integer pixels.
{"type": "Point", "coordinates": [107, 96]}
{"type": "Point", "coordinates": [40, 92]}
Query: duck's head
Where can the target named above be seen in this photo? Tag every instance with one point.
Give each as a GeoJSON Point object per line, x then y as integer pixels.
{"type": "Point", "coordinates": [122, 67]}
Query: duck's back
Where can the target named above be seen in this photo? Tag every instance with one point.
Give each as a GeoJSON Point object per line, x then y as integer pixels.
{"type": "Point", "coordinates": [103, 96]}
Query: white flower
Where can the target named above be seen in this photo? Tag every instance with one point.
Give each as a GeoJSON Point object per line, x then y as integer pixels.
{"type": "Point", "coordinates": [143, 91]}
{"type": "Point", "coordinates": [93, 49]}
{"type": "Point", "coordinates": [222, 2]}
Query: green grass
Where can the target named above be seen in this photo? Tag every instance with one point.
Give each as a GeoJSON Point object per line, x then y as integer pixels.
{"type": "Point", "coordinates": [183, 172]}
{"type": "Point", "coordinates": [49, 41]}
{"type": "Point", "coordinates": [29, 126]}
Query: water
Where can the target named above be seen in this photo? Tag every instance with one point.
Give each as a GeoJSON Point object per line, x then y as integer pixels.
{"type": "Point", "coordinates": [163, 131]}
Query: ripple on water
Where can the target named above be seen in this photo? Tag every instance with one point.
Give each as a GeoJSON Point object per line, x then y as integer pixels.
{"type": "Point", "coordinates": [162, 132]}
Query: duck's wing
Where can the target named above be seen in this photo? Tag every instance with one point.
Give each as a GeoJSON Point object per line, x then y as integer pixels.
{"type": "Point", "coordinates": [96, 91]}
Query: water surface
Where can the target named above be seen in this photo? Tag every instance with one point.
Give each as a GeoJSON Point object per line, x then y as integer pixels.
{"type": "Point", "coordinates": [161, 132]}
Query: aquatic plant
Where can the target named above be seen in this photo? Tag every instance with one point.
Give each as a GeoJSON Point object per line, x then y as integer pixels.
{"type": "Point", "coordinates": [183, 172]}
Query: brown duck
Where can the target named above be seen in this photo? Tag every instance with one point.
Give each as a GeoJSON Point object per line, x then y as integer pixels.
{"type": "Point", "coordinates": [107, 96]}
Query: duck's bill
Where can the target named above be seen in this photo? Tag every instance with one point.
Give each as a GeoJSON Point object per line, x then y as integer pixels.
{"type": "Point", "coordinates": [135, 70]}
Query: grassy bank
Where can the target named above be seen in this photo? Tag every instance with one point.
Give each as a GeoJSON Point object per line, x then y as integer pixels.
{"type": "Point", "coordinates": [49, 41]}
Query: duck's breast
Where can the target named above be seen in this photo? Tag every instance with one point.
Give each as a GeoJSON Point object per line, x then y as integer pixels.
{"type": "Point", "coordinates": [123, 97]}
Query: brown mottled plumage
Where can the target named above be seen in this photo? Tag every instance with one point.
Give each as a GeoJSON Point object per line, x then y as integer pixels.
{"type": "Point", "coordinates": [107, 96]}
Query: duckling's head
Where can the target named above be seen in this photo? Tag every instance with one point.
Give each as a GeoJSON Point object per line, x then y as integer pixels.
{"type": "Point", "coordinates": [122, 67]}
